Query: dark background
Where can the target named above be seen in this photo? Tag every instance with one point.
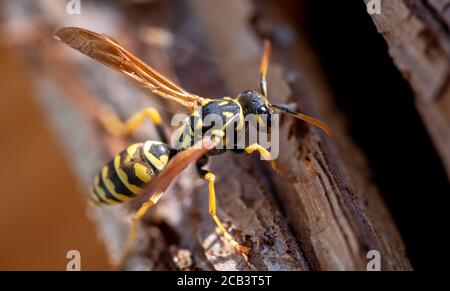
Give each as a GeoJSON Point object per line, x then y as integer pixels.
{"type": "Point", "coordinates": [385, 124]}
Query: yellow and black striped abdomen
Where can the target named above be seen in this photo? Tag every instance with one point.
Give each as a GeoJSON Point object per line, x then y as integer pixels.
{"type": "Point", "coordinates": [125, 176]}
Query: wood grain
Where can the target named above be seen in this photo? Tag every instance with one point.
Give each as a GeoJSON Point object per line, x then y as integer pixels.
{"type": "Point", "coordinates": [419, 43]}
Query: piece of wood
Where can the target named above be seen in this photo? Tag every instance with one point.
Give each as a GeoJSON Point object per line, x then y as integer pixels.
{"type": "Point", "coordinates": [338, 215]}
{"type": "Point", "coordinates": [328, 220]}
{"type": "Point", "coordinates": [417, 33]}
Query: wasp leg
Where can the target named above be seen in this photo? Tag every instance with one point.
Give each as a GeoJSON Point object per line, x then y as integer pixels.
{"type": "Point", "coordinates": [262, 151]}
{"type": "Point", "coordinates": [134, 227]}
{"type": "Point", "coordinates": [117, 127]}
{"type": "Point", "coordinates": [267, 156]}
{"type": "Point", "coordinates": [210, 177]}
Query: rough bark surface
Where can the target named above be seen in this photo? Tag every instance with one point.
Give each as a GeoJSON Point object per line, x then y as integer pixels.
{"type": "Point", "coordinates": [328, 220]}
{"type": "Point", "coordinates": [417, 33]}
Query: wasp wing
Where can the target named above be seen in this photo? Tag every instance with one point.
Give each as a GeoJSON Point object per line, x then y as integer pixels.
{"type": "Point", "coordinates": [110, 53]}
{"type": "Point", "coordinates": [176, 165]}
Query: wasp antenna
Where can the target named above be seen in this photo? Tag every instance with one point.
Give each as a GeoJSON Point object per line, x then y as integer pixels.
{"type": "Point", "coordinates": [264, 67]}
{"type": "Point", "coordinates": [311, 120]}
{"type": "Point", "coordinates": [314, 122]}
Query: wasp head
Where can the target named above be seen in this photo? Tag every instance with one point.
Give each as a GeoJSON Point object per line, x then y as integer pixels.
{"type": "Point", "coordinates": [253, 102]}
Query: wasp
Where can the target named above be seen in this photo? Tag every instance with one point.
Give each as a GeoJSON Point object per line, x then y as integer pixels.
{"type": "Point", "coordinates": [144, 167]}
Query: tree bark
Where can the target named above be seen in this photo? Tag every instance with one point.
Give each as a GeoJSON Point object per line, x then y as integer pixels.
{"type": "Point", "coordinates": [417, 33]}
{"type": "Point", "coordinates": [327, 220]}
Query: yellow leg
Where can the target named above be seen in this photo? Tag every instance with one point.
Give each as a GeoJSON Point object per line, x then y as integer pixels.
{"type": "Point", "coordinates": [262, 151]}
{"type": "Point", "coordinates": [210, 177]}
{"type": "Point", "coordinates": [267, 156]}
{"type": "Point", "coordinates": [134, 226]}
{"type": "Point", "coordinates": [119, 128]}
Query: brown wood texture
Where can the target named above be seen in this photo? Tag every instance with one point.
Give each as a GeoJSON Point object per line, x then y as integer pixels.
{"type": "Point", "coordinates": [417, 33]}
{"type": "Point", "coordinates": [328, 220]}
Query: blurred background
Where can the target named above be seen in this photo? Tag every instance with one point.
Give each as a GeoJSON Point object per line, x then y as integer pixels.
{"type": "Point", "coordinates": [43, 211]}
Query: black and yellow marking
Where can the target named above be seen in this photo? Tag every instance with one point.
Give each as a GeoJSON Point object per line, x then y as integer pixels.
{"type": "Point", "coordinates": [157, 154]}
{"type": "Point", "coordinates": [125, 176]}
{"type": "Point", "coordinates": [131, 170]}
{"type": "Point", "coordinates": [197, 125]}
{"type": "Point", "coordinates": [103, 193]}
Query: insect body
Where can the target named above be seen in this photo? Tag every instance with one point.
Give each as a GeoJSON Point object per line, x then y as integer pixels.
{"type": "Point", "coordinates": [227, 113]}
{"type": "Point", "coordinates": [126, 175]}
{"type": "Point", "coordinates": [149, 167]}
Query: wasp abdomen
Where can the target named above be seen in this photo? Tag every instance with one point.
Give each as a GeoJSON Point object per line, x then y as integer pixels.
{"type": "Point", "coordinates": [125, 176]}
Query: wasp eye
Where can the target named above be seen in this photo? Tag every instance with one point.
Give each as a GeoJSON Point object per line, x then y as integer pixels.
{"type": "Point", "coordinates": [262, 110]}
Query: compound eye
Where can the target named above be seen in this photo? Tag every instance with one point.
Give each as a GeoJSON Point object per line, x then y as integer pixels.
{"type": "Point", "coordinates": [262, 110]}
